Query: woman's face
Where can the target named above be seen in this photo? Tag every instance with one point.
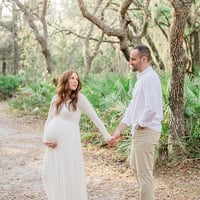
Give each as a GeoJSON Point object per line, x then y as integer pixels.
{"type": "Point", "coordinates": [73, 82]}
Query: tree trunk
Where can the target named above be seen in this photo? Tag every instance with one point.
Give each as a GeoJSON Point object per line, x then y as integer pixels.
{"type": "Point", "coordinates": [46, 52]}
{"type": "Point", "coordinates": [89, 57]}
{"type": "Point", "coordinates": [15, 41]}
{"type": "Point", "coordinates": [123, 31]}
{"type": "Point", "coordinates": [179, 60]}
{"type": "Point", "coordinates": [196, 51]}
{"type": "Point", "coordinates": [41, 38]}
{"type": "Point", "coordinates": [87, 64]}
{"type": "Point", "coordinates": [3, 66]}
{"type": "Point", "coordinates": [155, 52]}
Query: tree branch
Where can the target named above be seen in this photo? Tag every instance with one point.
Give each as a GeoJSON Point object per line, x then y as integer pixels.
{"type": "Point", "coordinates": [69, 31]}
{"type": "Point", "coordinates": [124, 7]}
{"type": "Point", "coordinates": [99, 23]}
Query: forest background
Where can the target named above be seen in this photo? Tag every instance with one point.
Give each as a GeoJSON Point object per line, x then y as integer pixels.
{"type": "Point", "coordinates": [41, 39]}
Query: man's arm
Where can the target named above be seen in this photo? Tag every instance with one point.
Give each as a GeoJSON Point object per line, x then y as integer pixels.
{"type": "Point", "coordinates": [119, 129]}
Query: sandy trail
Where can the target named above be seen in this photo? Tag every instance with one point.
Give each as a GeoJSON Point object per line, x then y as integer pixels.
{"type": "Point", "coordinates": [21, 154]}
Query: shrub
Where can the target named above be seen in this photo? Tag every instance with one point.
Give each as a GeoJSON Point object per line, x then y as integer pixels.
{"type": "Point", "coordinates": [34, 98]}
{"type": "Point", "coordinates": [8, 86]}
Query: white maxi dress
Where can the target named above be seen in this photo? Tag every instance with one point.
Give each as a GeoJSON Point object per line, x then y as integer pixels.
{"type": "Point", "coordinates": [63, 168]}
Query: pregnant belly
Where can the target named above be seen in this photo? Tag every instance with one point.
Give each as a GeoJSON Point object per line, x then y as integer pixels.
{"type": "Point", "coordinates": [58, 128]}
{"type": "Point", "coordinates": [51, 133]}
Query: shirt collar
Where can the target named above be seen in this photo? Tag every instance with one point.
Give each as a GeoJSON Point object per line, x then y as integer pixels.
{"type": "Point", "coordinates": [139, 75]}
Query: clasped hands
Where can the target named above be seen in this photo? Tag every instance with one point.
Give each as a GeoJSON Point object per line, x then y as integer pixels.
{"type": "Point", "coordinates": [111, 143]}
{"type": "Point", "coordinates": [50, 144]}
{"type": "Point", "coordinates": [114, 139]}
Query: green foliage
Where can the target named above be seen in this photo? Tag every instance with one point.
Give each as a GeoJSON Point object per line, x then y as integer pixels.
{"type": "Point", "coordinates": [31, 58]}
{"type": "Point", "coordinates": [162, 147]}
{"type": "Point", "coordinates": [67, 53]}
{"type": "Point", "coordinates": [124, 146]}
{"type": "Point", "coordinates": [103, 62]}
{"type": "Point", "coordinates": [34, 98]}
{"type": "Point", "coordinates": [110, 95]}
{"type": "Point", "coordinates": [8, 86]}
{"type": "Point", "coordinates": [163, 12]}
{"type": "Point", "coordinates": [192, 115]}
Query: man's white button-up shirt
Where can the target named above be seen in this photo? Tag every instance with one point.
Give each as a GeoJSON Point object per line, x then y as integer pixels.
{"type": "Point", "coordinates": [146, 107]}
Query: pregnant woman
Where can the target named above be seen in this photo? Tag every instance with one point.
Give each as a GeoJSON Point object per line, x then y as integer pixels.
{"type": "Point", "coordinates": [63, 169]}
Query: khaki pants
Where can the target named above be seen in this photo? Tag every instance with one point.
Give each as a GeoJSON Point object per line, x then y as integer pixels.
{"type": "Point", "coordinates": [142, 160]}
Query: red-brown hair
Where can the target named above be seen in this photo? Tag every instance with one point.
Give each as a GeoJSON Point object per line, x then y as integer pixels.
{"type": "Point", "coordinates": [64, 93]}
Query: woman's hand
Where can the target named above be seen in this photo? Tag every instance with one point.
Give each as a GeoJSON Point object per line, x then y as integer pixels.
{"type": "Point", "coordinates": [112, 142]}
{"type": "Point", "coordinates": [50, 144]}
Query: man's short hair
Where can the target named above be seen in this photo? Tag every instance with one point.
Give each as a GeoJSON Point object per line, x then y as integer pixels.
{"type": "Point", "coordinates": [143, 51]}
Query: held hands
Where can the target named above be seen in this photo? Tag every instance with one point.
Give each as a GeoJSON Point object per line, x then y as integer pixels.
{"type": "Point", "coordinates": [111, 142]}
{"type": "Point", "coordinates": [50, 144]}
{"type": "Point", "coordinates": [114, 139]}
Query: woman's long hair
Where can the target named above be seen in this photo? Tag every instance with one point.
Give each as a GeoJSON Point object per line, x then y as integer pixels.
{"type": "Point", "coordinates": [64, 94]}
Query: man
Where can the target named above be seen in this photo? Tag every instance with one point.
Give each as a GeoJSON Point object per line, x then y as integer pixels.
{"type": "Point", "coordinates": [144, 113]}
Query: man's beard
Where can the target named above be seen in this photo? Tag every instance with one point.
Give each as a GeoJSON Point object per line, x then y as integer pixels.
{"type": "Point", "coordinates": [134, 69]}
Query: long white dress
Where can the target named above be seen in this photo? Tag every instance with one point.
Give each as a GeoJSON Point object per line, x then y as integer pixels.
{"type": "Point", "coordinates": [63, 169]}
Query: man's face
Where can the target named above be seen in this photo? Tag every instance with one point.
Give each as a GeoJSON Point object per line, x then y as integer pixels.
{"type": "Point", "coordinates": [135, 61]}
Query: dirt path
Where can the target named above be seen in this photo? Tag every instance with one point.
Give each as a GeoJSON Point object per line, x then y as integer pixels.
{"type": "Point", "coordinates": [21, 154]}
